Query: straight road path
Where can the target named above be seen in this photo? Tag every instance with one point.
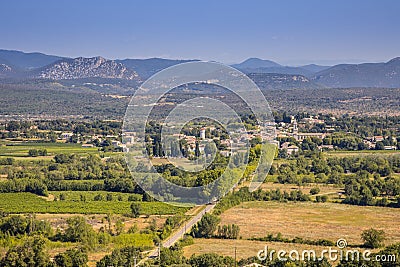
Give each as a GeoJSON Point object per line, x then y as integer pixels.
{"type": "Point", "coordinates": [185, 228]}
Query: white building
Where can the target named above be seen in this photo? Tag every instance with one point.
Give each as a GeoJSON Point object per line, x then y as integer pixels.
{"type": "Point", "coordinates": [292, 149]}
{"type": "Point", "coordinates": [66, 136]}
{"type": "Point", "coordinates": [203, 133]}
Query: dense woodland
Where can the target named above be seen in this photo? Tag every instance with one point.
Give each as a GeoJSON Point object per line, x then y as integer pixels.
{"type": "Point", "coordinates": [80, 100]}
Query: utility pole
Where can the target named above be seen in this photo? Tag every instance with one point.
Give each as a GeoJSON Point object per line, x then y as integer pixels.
{"type": "Point", "coordinates": [159, 252]}
{"type": "Point", "coordinates": [235, 257]}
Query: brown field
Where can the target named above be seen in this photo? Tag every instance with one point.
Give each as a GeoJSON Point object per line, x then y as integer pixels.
{"type": "Point", "coordinates": [313, 220]}
{"type": "Point", "coordinates": [159, 161]}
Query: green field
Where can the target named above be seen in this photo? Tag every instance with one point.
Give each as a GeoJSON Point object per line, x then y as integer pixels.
{"type": "Point", "coordinates": [341, 153]}
{"type": "Point", "coordinates": [30, 203]}
{"type": "Point", "coordinates": [22, 149]}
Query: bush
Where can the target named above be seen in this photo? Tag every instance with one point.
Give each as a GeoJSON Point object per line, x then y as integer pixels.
{"type": "Point", "coordinates": [323, 198]}
{"type": "Point", "coordinates": [314, 191]}
{"type": "Point", "coordinates": [98, 197]}
{"type": "Point", "coordinates": [135, 197]}
{"type": "Point", "coordinates": [136, 209]}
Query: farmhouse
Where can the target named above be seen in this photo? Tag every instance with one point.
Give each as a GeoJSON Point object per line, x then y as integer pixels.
{"type": "Point", "coordinates": [66, 136]}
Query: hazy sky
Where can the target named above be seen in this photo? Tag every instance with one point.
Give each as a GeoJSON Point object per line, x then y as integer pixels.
{"type": "Point", "coordinates": [289, 32]}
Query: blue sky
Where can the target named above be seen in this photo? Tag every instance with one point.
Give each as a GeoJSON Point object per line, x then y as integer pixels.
{"type": "Point", "coordinates": [289, 32]}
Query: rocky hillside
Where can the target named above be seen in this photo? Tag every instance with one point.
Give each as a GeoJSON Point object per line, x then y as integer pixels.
{"type": "Point", "coordinates": [5, 70]}
{"type": "Point", "coordinates": [80, 68]}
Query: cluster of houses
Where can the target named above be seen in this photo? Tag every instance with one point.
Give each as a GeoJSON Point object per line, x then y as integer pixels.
{"type": "Point", "coordinates": [87, 141]}
{"type": "Point", "coordinates": [371, 142]}
{"type": "Point", "coordinates": [240, 139]}
{"type": "Point", "coordinates": [291, 130]}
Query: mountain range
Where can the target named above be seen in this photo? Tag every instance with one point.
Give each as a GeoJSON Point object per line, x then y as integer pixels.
{"type": "Point", "coordinates": [17, 64]}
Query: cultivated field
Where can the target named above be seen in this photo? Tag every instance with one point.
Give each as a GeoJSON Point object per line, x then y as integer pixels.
{"type": "Point", "coordinates": [30, 203]}
{"type": "Point", "coordinates": [21, 149]}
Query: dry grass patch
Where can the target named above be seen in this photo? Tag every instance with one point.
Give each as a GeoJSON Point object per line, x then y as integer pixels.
{"type": "Point", "coordinates": [312, 220]}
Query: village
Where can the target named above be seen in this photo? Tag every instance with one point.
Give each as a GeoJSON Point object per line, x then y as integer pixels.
{"type": "Point", "coordinates": [289, 137]}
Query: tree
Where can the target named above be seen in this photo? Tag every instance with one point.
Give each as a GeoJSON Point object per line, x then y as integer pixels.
{"type": "Point", "coordinates": [373, 238]}
{"type": "Point", "coordinates": [79, 231]}
{"type": "Point", "coordinates": [71, 258]}
{"type": "Point", "coordinates": [126, 256]}
{"type": "Point", "coordinates": [282, 153]}
{"type": "Point", "coordinates": [136, 209]}
{"type": "Point", "coordinates": [206, 226]}
{"type": "Point", "coordinates": [230, 231]}
{"type": "Point", "coordinates": [210, 149]}
{"type": "Point", "coordinates": [119, 227]}
{"type": "Point", "coordinates": [211, 259]}
{"type": "Point", "coordinates": [171, 256]}
{"type": "Point", "coordinates": [379, 146]}
{"type": "Point", "coordinates": [197, 150]}
{"type": "Point", "coordinates": [15, 225]}
{"type": "Point", "coordinates": [30, 254]}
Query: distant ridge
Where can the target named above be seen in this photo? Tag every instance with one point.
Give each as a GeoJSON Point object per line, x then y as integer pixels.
{"type": "Point", "coordinates": [26, 61]}
{"type": "Point", "coordinates": [256, 65]}
{"type": "Point", "coordinates": [148, 67]}
{"type": "Point", "coordinates": [361, 75]}
{"type": "Point", "coordinates": [314, 68]}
